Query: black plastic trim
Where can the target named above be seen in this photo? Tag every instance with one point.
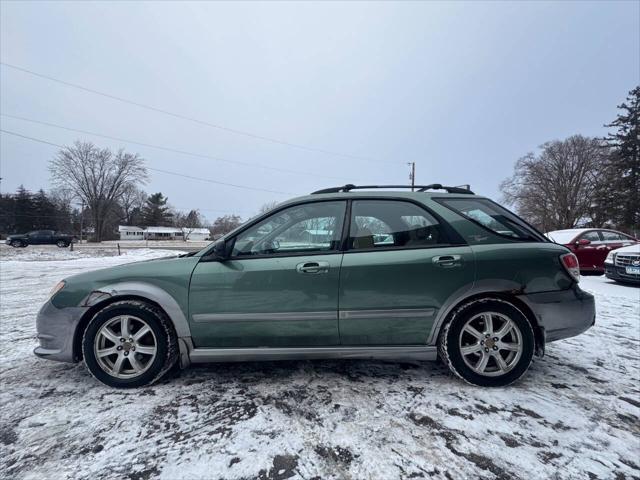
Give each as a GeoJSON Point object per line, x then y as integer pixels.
{"type": "Point", "coordinates": [419, 188]}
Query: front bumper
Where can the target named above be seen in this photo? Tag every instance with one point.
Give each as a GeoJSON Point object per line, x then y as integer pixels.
{"type": "Point", "coordinates": [562, 314]}
{"type": "Point", "coordinates": [56, 331]}
{"type": "Point", "coordinates": [620, 273]}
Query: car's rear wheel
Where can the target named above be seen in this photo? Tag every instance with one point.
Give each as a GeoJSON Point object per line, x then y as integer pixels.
{"type": "Point", "coordinates": [62, 244]}
{"type": "Point", "coordinates": [129, 344]}
{"type": "Point", "coordinates": [488, 343]}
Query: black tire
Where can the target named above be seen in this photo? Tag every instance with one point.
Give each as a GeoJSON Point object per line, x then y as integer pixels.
{"type": "Point", "coordinates": [449, 343]}
{"type": "Point", "coordinates": [62, 244]}
{"type": "Point", "coordinates": [17, 243]}
{"type": "Point", "coordinates": [156, 319]}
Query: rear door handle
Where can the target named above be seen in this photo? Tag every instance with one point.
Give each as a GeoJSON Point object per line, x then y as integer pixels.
{"type": "Point", "coordinates": [447, 260]}
{"type": "Point", "coordinates": [312, 267]}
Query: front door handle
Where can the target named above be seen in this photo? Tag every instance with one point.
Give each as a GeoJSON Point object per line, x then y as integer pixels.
{"type": "Point", "coordinates": [447, 260]}
{"type": "Point", "coordinates": [312, 267]}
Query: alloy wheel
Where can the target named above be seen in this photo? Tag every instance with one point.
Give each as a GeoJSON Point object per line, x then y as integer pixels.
{"type": "Point", "coordinates": [490, 344]}
{"type": "Point", "coordinates": [125, 346]}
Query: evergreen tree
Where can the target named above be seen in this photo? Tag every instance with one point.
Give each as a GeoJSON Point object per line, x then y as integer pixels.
{"type": "Point", "coordinates": [7, 214]}
{"type": "Point", "coordinates": [624, 164]}
{"type": "Point", "coordinates": [44, 212]}
{"type": "Point", "coordinates": [23, 210]}
{"type": "Point", "coordinates": [156, 212]}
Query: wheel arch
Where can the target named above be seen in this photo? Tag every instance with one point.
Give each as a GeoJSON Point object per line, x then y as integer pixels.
{"type": "Point", "coordinates": [141, 292]}
{"type": "Point", "coordinates": [507, 297]}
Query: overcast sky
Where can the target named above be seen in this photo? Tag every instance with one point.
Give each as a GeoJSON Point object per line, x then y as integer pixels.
{"type": "Point", "coordinates": [462, 89]}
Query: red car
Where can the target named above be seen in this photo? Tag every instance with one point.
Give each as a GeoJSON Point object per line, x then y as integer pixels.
{"type": "Point", "coordinates": [591, 245]}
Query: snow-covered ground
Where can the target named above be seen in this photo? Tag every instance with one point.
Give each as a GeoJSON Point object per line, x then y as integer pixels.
{"type": "Point", "coordinates": [575, 414]}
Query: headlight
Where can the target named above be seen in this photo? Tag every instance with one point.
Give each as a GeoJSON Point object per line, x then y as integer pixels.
{"type": "Point", "coordinates": [57, 288]}
{"type": "Point", "coordinates": [609, 258]}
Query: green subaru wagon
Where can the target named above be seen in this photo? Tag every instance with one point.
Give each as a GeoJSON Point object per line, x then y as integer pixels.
{"type": "Point", "coordinates": [347, 272]}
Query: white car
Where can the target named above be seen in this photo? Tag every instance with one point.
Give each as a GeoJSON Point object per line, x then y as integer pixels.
{"type": "Point", "coordinates": [623, 264]}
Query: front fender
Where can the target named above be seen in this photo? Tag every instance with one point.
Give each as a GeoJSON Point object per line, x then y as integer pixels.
{"type": "Point", "coordinates": [143, 290]}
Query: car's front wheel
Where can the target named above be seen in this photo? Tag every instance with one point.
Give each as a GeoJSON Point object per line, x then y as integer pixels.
{"type": "Point", "coordinates": [17, 243]}
{"type": "Point", "coordinates": [129, 344]}
{"type": "Point", "coordinates": [62, 244]}
{"type": "Point", "coordinates": [488, 342]}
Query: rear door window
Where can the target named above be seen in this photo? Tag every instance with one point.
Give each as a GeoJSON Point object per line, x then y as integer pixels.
{"type": "Point", "coordinates": [592, 236]}
{"type": "Point", "coordinates": [492, 217]}
{"type": "Point", "coordinates": [379, 224]}
{"type": "Point", "coordinates": [612, 237]}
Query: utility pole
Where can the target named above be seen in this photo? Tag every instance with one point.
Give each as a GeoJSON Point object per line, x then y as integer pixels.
{"type": "Point", "coordinates": [81, 219]}
{"type": "Point", "coordinates": [412, 174]}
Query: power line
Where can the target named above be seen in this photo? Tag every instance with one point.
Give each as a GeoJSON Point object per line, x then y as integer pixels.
{"type": "Point", "coordinates": [168, 149]}
{"type": "Point", "coordinates": [191, 119]}
{"type": "Point", "coordinates": [161, 170]}
{"type": "Point", "coordinates": [78, 213]}
{"type": "Point", "coordinates": [36, 216]}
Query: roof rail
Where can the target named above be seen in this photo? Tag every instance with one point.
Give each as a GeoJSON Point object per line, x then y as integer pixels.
{"type": "Point", "coordinates": [420, 188]}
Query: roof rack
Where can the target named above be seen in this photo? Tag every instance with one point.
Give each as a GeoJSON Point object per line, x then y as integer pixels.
{"type": "Point", "coordinates": [420, 188]}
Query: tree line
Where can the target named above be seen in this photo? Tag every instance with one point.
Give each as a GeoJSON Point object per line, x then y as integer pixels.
{"type": "Point", "coordinates": [24, 211]}
{"type": "Point", "coordinates": [96, 189]}
{"type": "Point", "coordinates": [583, 181]}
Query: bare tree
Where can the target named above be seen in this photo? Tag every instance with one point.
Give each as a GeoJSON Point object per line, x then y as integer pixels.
{"type": "Point", "coordinates": [224, 224]}
{"type": "Point", "coordinates": [96, 176]}
{"type": "Point", "coordinates": [132, 202]}
{"type": "Point", "coordinates": [556, 188]}
{"type": "Point", "coordinates": [187, 222]}
{"type": "Point", "coordinates": [266, 207]}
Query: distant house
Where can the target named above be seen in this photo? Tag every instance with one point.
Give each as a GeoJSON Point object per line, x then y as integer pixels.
{"type": "Point", "coordinates": [162, 233]}
{"type": "Point", "coordinates": [316, 236]}
{"type": "Point", "coordinates": [196, 234]}
{"type": "Point", "coordinates": [130, 233]}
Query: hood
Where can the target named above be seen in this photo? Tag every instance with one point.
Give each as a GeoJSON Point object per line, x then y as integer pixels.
{"type": "Point", "coordinates": [169, 274]}
{"type": "Point", "coordinates": [631, 249]}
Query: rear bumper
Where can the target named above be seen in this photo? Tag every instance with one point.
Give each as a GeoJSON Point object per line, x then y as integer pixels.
{"type": "Point", "coordinates": [562, 314]}
{"type": "Point", "coordinates": [619, 273]}
{"type": "Point", "coordinates": [56, 330]}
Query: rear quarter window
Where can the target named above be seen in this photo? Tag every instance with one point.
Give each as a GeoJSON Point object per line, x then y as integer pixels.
{"type": "Point", "coordinates": [491, 216]}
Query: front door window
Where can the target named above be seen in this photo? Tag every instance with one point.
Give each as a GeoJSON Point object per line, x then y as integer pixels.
{"type": "Point", "coordinates": [308, 228]}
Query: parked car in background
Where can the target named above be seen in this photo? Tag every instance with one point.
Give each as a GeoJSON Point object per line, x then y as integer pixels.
{"type": "Point", "coordinates": [40, 237]}
{"type": "Point", "coordinates": [623, 264]}
{"type": "Point", "coordinates": [394, 275]}
{"type": "Point", "coordinates": [591, 245]}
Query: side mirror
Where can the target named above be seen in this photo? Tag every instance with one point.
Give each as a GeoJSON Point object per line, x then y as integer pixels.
{"type": "Point", "coordinates": [582, 242]}
{"type": "Point", "coordinates": [220, 249]}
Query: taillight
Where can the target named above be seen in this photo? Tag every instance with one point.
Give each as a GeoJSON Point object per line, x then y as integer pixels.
{"type": "Point", "coordinates": [570, 263]}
